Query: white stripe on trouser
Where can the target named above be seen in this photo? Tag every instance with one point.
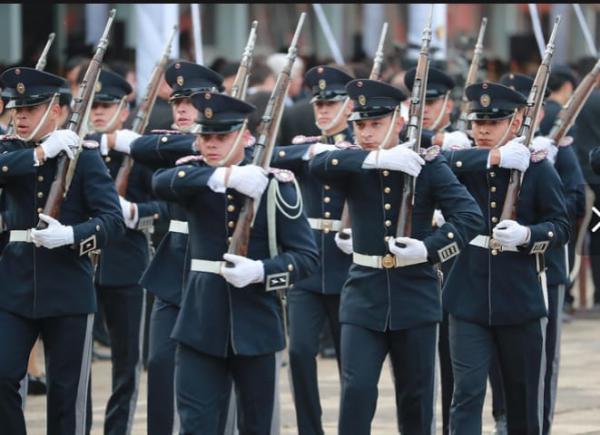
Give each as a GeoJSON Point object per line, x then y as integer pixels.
{"type": "Point", "coordinates": [176, 420]}
{"type": "Point", "coordinates": [543, 325]}
{"type": "Point", "coordinates": [435, 377]}
{"type": "Point", "coordinates": [276, 416]}
{"type": "Point", "coordinates": [556, 357]}
{"type": "Point", "coordinates": [84, 378]}
{"type": "Point", "coordinates": [138, 366]}
{"type": "Point", "coordinates": [230, 423]}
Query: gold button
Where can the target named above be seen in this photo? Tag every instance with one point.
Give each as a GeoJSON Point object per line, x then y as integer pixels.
{"type": "Point", "coordinates": [387, 206]}
{"type": "Point", "coordinates": [4, 168]}
{"type": "Point", "coordinates": [40, 194]}
{"type": "Point", "coordinates": [229, 197]}
{"type": "Point", "coordinates": [327, 200]}
{"type": "Point", "coordinates": [450, 235]}
{"type": "Point", "coordinates": [156, 216]}
{"type": "Point", "coordinates": [550, 234]}
{"type": "Point", "coordinates": [493, 189]}
{"type": "Point", "coordinates": [290, 267]}
{"type": "Point", "coordinates": [387, 189]}
{"type": "Point", "coordinates": [459, 164]}
{"type": "Point", "coordinates": [494, 219]}
{"type": "Point", "coordinates": [228, 240]}
{"type": "Point", "coordinates": [40, 209]}
{"type": "Point", "coordinates": [181, 174]}
{"type": "Point", "coordinates": [334, 162]}
{"type": "Point", "coordinates": [386, 173]}
{"type": "Point", "coordinates": [492, 174]}
{"type": "Point", "coordinates": [327, 187]}
{"type": "Point", "coordinates": [494, 252]}
{"type": "Point", "coordinates": [230, 208]}
{"type": "Point", "coordinates": [164, 139]}
{"type": "Point", "coordinates": [231, 224]}
{"type": "Point", "coordinates": [107, 159]}
{"type": "Point", "coordinates": [325, 230]}
{"type": "Point", "coordinates": [327, 214]}
{"type": "Point", "coordinates": [388, 223]}
{"type": "Point", "coordinates": [97, 227]}
{"type": "Point", "coordinates": [493, 204]}
{"type": "Point", "coordinates": [40, 178]}
{"type": "Point", "coordinates": [281, 153]}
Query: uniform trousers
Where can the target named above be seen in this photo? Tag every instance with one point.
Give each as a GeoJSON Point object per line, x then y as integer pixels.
{"type": "Point", "coordinates": [68, 353]}
{"type": "Point", "coordinates": [522, 361]}
{"type": "Point", "coordinates": [412, 352]}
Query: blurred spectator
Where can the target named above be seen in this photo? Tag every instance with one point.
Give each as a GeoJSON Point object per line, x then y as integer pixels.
{"type": "Point", "coordinates": [127, 70]}
{"type": "Point", "coordinates": [261, 78]}
{"type": "Point", "coordinates": [73, 73]}
{"type": "Point", "coordinates": [229, 71]}
{"type": "Point", "coordinates": [277, 62]}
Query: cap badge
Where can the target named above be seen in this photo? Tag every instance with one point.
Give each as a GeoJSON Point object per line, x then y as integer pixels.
{"type": "Point", "coordinates": [320, 70]}
{"type": "Point", "coordinates": [322, 84]}
{"type": "Point", "coordinates": [98, 87]}
{"type": "Point", "coordinates": [484, 85]}
{"type": "Point", "coordinates": [18, 71]}
{"type": "Point", "coordinates": [20, 88]}
{"type": "Point", "coordinates": [207, 96]}
{"type": "Point", "coordinates": [485, 100]}
{"type": "Point", "coordinates": [177, 65]}
{"type": "Point", "coordinates": [359, 84]}
{"type": "Point", "coordinates": [362, 100]}
{"type": "Point", "coordinates": [180, 80]}
{"type": "Point", "coordinates": [208, 113]}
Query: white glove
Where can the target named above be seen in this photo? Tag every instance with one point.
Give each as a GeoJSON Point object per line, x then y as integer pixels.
{"type": "Point", "coordinates": [251, 180]}
{"type": "Point", "coordinates": [130, 221]}
{"type": "Point", "coordinates": [345, 245]}
{"type": "Point", "coordinates": [414, 252]}
{"type": "Point", "coordinates": [546, 145]}
{"type": "Point", "coordinates": [60, 140]}
{"type": "Point", "coordinates": [54, 236]}
{"type": "Point", "coordinates": [515, 155]}
{"type": "Point", "coordinates": [244, 272]}
{"type": "Point", "coordinates": [123, 139]}
{"type": "Point", "coordinates": [456, 140]}
{"type": "Point", "coordinates": [438, 218]}
{"type": "Point", "coordinates": [511, 233]}
{"type": "Point", "coordinates": [398, 158]}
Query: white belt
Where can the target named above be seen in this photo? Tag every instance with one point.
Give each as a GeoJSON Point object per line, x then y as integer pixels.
{"type": "Point", "coordinates": [20, 236]}
{"type": "Point", "coordinates": [325, 224]}
{"type": "Point", "coordinates": [388, 261]}
{"type": "Point", "coordinates": [178, 227]}
{"type": "Point", "coordinates": [206, 266]}
{"type": "Point", "coordinates": [484, 242]}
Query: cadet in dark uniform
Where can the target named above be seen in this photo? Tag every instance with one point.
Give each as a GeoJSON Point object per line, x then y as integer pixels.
{"type": "Point", "coordinates": [490, 309]}
{"type": "Point", "coordinates": [316, 299]}
{"type": "Point", "coordinates": [230, 324]}
{"type": "Point", "coordinates": [565, 162]}
{"type": "Point", "coordinates": [166, 274]}
{"type": "Point", "coordinates": [47, 277]}
{"type": "Point", "coordinates": [390, 302]}
{"type": "Point", "coordinates": [123, 261]}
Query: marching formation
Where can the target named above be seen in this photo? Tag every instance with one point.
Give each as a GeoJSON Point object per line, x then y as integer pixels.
{"type": "Point", "coordinates": [407, 228]}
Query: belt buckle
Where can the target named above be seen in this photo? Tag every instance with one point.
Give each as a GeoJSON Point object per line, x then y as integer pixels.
{"type": "Point", "coordinates": [495, 244]}
{"type": "Point", "coordinates": [326, 224]}
{"type": "Point", "coordinates": [388, 261]}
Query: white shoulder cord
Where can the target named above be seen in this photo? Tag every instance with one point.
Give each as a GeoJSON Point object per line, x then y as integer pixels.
{"type": "Point", "coordinates": [276, 202]}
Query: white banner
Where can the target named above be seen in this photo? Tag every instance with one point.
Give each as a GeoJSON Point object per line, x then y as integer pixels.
{"type": "Point", "coordinates": [154, 26]}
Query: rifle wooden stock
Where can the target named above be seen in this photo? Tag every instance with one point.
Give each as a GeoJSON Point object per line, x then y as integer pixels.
{"type": "Point", "coordinates": [263, 150]}
{"type": "Point", "coordinates": [240, 83]}
{"type": "Point", "coordinates": [463, 122]}
{"type": "Point", "coordinates": [415, 127]}
{"type": "Point", "coordinates": [142, 116]}
{"type": "Point", "coordinates": [534, 103]}
{"type": "Point", "coordinates": [81, 104]}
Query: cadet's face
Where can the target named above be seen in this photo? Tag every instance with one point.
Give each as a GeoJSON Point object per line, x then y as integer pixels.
{"type": "Point", "coordinates": [102, 113]}
{"type": "Point", "coordinates": [26, 119]}
{"type": "Point", "coordinates": [488, 133]}
{"type": "Point", "coordinates": [326, 111]}
{"type": "Point", "coordinates": [433, 108]}
{"type": "Point", "coordinates": [370, 133]}
{"type": "Point", "coordinates": [184, 113]}
{"type": "Point", "coordinates": [214, 147]}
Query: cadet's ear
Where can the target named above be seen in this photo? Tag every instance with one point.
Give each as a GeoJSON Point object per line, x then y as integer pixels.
{"type": "Point", "coordinates": [349, 107]}
{"type": "Point", "coordinates": [450, 105]}
{"type": "Point", "coordinates": [124, 114]}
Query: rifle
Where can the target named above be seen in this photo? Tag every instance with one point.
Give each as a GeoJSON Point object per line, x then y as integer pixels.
{"type": "Point", "coordinates": [263, 150]}
{"type": "Point", "coordinates": [375, 74]}
{"type": "Point", "coordinates": [65, 168]}
{"type": "Point", "coordinates": [142, 116]}
{"type": "Point", "coordinates": [40, 66]}
{"type": "Point", "coordinates": [463, 122]}
{"type": "Point", "coordinates": [240, 84]}
{"type": "Point", "coordinates": [534, 103]}
{"type": "Point", "coordinates": [415, 127]}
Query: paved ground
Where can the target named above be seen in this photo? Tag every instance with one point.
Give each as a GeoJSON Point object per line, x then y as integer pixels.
{"type": "Point", "coordinates": [578, 406]}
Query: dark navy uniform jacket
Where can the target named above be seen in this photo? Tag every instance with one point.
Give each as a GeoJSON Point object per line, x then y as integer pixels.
{"type": "Point", "coordinates": [404, 297]}
{"type": "Point", "coordinates": [40, 282]}
{"type": "Point", "coordinates": [123, 261]}
{"type": "Point", "coordinates": [321, 201]}
{"type": "Point", "coordinates": [502, 288]}
{"type": "Point", "coordinates": [166, 274]}
{"type": "Point", "coordinates": [216, 316]}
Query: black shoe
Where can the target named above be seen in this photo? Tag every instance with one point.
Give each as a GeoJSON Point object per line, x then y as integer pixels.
{"type": "Point", "coordinates": [36, 385]}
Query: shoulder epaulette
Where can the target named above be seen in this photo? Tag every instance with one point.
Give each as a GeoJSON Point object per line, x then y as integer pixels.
{"type": "Point", "coordinates": [166, 132]}
{"type": "Point", "coordinates": [301, 139]}
{"type": "Point", "coordinates": [565, 141]}
{"type": "Point", "coordinates": [10, 137]}
{"type": "Point", "coordinates": [346, 145]}
{"type": "Point", "coordinates": [430, 153]}
{"type": "Point", "coordinates": [190, 158]}
{"type": "Point", "coordinates": [250, 142]}
{"type": "Point", "coordinates": [282, 175]}
{"type": "Point", "coordinates": [538, 156]}
{"type": "Point", "coordinates": [90, 144]}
